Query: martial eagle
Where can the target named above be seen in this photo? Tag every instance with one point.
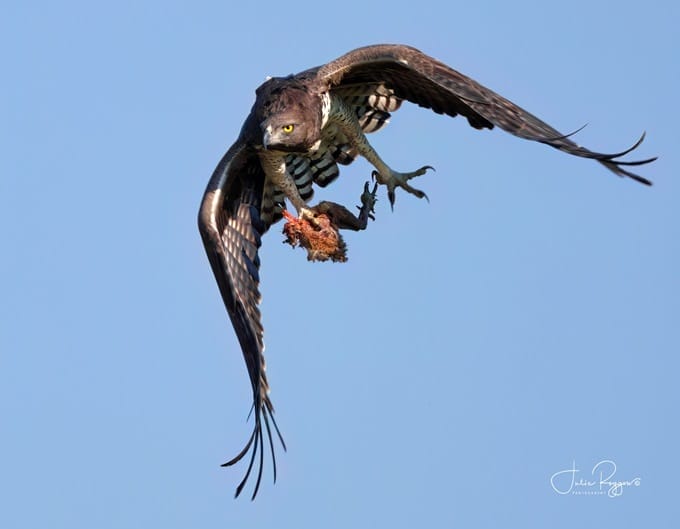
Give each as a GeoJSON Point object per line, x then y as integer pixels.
{"type": "Point", "coordinates": [298, 131]}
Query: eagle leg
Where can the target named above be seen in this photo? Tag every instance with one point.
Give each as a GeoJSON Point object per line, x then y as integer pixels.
{"type": "Point", "coordinates": [318, 228]}
{"type": "Point", "coordinates": [343, 219]}
{"type": "Point", "coordinates": [345, 118]}
{"type": "Point", "coordinates": [367, 208]}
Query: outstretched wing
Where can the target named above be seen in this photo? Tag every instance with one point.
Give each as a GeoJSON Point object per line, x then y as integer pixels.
{"type": "Point", "coordinates": [230, 226]}
{"type": "Point", "coordinates": [418, 78]}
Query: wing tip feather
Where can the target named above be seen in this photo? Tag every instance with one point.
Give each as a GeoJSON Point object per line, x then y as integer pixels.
{"type": "Point", "coordinates": [255, 445]}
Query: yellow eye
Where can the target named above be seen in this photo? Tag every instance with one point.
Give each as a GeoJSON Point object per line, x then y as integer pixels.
{"type": "Point", "coordinates": [287, 128]}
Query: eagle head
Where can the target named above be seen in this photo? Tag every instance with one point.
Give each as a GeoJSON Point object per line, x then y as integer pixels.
{"type": "Point", "coordinates": [289, 114]}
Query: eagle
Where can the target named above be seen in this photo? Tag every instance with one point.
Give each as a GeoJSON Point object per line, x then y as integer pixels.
{"type": "Point", "coordinates": [300, 129]}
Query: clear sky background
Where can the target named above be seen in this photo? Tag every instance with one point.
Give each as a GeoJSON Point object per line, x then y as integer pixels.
{"type": "Point", "coordinates": [524, 320]}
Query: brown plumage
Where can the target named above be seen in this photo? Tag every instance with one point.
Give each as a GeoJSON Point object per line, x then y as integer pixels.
{"type": "Point", "coordinates": [298, 131]}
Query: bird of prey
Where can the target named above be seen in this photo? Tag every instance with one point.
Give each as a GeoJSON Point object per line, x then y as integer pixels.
{"type": "Point", "coordinates": [299, 130]}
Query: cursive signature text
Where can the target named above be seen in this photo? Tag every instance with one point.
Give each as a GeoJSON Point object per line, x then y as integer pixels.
{"type": "Point", "coordinates": [600, 481]}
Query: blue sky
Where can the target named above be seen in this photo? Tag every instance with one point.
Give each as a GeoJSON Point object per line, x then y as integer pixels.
{"type": "Point", "coordinates": [523, 321]}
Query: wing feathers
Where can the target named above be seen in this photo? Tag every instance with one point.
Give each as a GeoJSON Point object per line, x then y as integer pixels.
{"type": "Point", "coordinates": [418, 78]}
{"type": "Point", "coordinates": [372, 104]}
{"type": "Point", "coordinates": [231, 228]}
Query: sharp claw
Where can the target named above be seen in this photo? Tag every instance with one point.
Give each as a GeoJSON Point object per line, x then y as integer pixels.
{"type": "Point", "coordinates": [368, 197]}
{"type": "Point", "coordinates": [391, 196]}
{"type": "Point", "coordinates": [419, 193]}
